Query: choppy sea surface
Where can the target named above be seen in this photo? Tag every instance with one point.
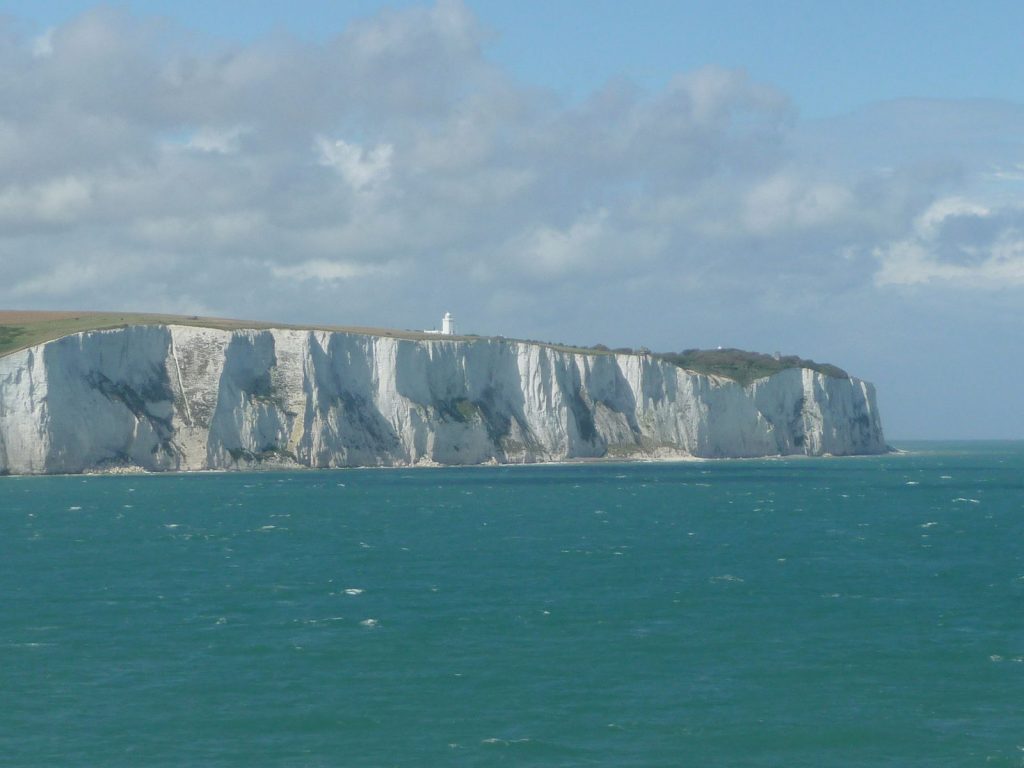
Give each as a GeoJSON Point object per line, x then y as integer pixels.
{"type": "Point", "coordinates": [804, 612]}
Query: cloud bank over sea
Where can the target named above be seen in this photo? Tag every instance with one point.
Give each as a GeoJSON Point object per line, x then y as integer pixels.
{"type": "Point", "coordinates": [394, 171]}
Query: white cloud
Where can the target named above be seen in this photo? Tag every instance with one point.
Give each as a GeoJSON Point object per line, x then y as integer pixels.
{"type": "Point", "coordinates": [322, 270]}
{"type": "Point", "coordinates": [53, 201]}
{"type": "Point", "coordinates": [42, 44]}
{"type": "Point", "coordinates": [222, 141]}
{"type": "Point", "coordinates": [911, 263]}
{"type": "Point", "coordinates": [1010, 173]}
{"type": "Point", "coordinates": [928, 225]}
{"type": "Point", "coordinates": [958, 242]}
{"type": "Point", "coordinates": [361, 168]}
{"type": "Point", "coordinates": [65, 280]}
{"type": "Point", "coordinates": [784, 203]}
{"type": "Point", "coordinates": [399, 168]}
{"type": "Point", "coordinates": [549, 251]}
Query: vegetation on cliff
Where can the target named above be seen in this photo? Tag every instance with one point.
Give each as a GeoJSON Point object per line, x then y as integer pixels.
{"type": "Point", "coordinates": [743, 366]}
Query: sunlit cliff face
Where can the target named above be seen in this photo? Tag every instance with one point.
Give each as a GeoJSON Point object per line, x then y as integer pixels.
{"type": "Point", "coordinates": [185, 398]}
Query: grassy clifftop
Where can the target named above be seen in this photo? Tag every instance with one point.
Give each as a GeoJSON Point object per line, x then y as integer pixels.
{"type": "Point", "coordinates": [743, 366]}
{"type": "Point", "coordinates": [22, 329]}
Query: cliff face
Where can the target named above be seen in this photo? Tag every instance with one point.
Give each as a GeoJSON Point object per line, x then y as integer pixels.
{"type": "Point", "coordinates": [183, 398]}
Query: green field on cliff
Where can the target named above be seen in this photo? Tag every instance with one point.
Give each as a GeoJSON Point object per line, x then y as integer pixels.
{"type": "Point", "coordinates": [22, 329]}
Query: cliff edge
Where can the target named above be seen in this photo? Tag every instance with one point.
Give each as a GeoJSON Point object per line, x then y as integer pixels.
{"type": "Point", "coordinates": [177, 397]}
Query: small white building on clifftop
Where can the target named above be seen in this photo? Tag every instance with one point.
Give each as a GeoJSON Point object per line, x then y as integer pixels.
{"type": "Point", "coordinates": [447, 326]}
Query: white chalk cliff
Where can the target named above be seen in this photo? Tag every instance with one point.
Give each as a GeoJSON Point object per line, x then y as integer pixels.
{"type": "Point", "coordinates": [167, 397]}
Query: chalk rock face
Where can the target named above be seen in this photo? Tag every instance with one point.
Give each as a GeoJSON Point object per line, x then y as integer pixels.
{"type": "Point", "coordinates": [166, 397]}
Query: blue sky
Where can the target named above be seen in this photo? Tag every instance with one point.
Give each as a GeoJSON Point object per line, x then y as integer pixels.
{"type": "Point", "coordinates": [831, 57]}
{"type": "Point", "coordinates": [839, 180]}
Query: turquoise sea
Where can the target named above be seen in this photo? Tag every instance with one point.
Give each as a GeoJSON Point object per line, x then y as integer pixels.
{"type": "Point", "coordinates": [804, 612]}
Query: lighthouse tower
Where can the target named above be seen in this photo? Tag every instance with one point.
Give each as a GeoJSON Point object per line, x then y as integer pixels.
{"type": "Point", "coordinates": [448, 324]}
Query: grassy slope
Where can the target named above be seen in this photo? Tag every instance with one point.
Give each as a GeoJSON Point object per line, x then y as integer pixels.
{"type": "Point", "coordinates": [21, 329]}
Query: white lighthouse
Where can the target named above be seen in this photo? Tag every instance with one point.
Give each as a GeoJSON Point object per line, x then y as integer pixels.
{"type": "Point", "coordinates": [447, 326]}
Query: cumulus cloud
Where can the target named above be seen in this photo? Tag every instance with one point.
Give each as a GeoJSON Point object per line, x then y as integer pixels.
{"type": "Point", "coordinates": [783, 203]}
{"type": "Point", "coordinates": [393, 171]}
{"type": "Point", "coordinates": [960, 242]}
{"type": "Point", "coordinates": [361, 168]}
{"type": "Point", "coordinates": [47, 202]}
{"type": "Point", "coordinates": [321, 270]}
{"type": "Point", "coordinates": [220, 140]}
{"type": "Point", "coordinates": [548, 251]}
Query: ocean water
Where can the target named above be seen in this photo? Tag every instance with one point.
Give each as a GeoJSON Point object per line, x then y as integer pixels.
{"type": "Point", "coordinates": [805, 612]}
